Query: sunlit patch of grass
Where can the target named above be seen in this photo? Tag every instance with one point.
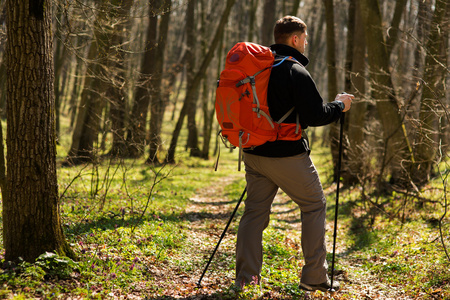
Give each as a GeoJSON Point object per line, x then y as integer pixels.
{"type": "Point", "coordinates": [282, 259]}
{"type": "Point", "coordinates": [407, 256]}
{"type": "Point", "coordinates": [129, 223]}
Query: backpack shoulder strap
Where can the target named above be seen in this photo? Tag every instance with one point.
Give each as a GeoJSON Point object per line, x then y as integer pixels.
{"type": "Point", "coordinates": [278, 61]}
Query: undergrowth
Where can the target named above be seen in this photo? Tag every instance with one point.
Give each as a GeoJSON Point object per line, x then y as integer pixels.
{"type": "Point", "coordinates": [135, 236]}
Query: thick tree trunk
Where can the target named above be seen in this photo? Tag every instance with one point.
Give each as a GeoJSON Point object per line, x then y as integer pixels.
{"type": "Point", "coordinates": [396, 144]}
{"type": "Point", "coordinates": [356, 84]}
{"type": "Point", "coordinates": [3, 85]}
{"type": "Point", "coordinates": [170, 158]}
{"type": "Point", "coordinates": [432, 97]}
{"type": "Point", "coordinates": [2, 65]}
{"type": "Point", "coordinates": [31, 221]}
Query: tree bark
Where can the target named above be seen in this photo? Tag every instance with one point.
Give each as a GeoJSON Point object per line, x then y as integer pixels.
{"type": "Point", "coordinates": [433, 96]}
{"type": "Point", "coordinates": [394, 28]}
{"type": "Point", "coordinates": [138, 120]}
{"type": "Point", "coordinates": [295, 6]}
{"type": "Point", "coordinates": [396, 144]}
{"type": "Point", "coordinates": [253, 5]}
{"type": "Point", "coordinates": [59, 54]}
{"type": "Point", "coordinates": [356, 85]}
{"type": "Point", "coordinates": [3, 85]}
{"type": "Point", "coordinates": [117, 85]}
{"type": "Point", "coordinates": [170, 158]}
{"type": "Point", "coordinates": [191, 43]}
{"type": "Point", "coordinates": [92, 102]}
{"type": "Point", "coordinates": [316, 41]}
{"type": "Point", "coordinates": [158, 100]}
{"type": "Point", "coordinates": [332, 79]}
{"type": "Point", "coordinates": [31, 221]}
{"type": "Point", "coordinates": [268, 22]}
{"type": "Point", "coordinates": [2, 165]}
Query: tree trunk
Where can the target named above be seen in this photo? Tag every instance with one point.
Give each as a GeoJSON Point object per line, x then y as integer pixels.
{"type": "Point", "coordinates": [355, 84]}
{"type": "Point", "coordinates": [295, 6]}
{"type": "Point", "coordinates": [348, 85]}
{"type": "Point", "coordinates": [208, 113]}
{"type": "Point", "coordinates": [332, 79]}
{"type": "Point", "coordinates": [423, 23]}
{"type": "Point", "coordinates": [138, 120]}
{"type": "Point", "coordinates": [116, 90]}
{"type": "Point", "coordinates": [170, 158]}
{"type": "Point", "coordinates": [3, 65]}
{"type": "Point", "coordinates": [92, 102]}
{"type": "Point", "coordinates": [393, 29]}
{"type": "Point", "coordinates": [432, 97]}
{"type": "Point", "coordinates": [268, 22]}
{"type": "Point", "coordinates": [315, 40]}
{"type": "Point", "coordinates": [59, 59]}
{"type": "Point", "coordinates": [3, 86]}
{"type": "Point", "coordinates": [191, 43]}
{"type": "Point", "coordinates": [253, 5]}
{"type": "Point", "coordinates": [396, 144]}
{"type": "Point", "coordinates": [31, 221]}
{"type": "Point", "coordinates": [76, 91]}
{"type": "Point", "coordinates": [2, 164]}
{"type": "Point", "coordinates": [208, 116]}
{"type": "Point", "coordinates": [158, 100]}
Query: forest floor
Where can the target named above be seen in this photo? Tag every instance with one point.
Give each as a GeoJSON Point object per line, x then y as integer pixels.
{"type": "Point", "coordinates": [147, 233]}
{"type": "Point", "coordinates": [357, 282]}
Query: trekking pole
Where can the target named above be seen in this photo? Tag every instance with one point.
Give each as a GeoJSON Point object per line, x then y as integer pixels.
{"type": "Point", "coordinates": [341, 134]}
{"type": "Point", "coordinates": [221, 237]}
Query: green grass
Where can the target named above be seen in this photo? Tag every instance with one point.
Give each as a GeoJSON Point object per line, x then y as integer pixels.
{"type": "Point", "coordinates": [134, 233]}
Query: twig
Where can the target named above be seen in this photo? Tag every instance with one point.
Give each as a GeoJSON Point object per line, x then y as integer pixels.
{"type": "Point", "coordinates": [72, 181]}
{"type": "Point", "coordinates": [416, 196]}
{"type": "Point", "coordinates": [156, 181]}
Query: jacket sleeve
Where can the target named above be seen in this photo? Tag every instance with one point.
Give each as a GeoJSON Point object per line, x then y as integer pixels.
{"type": "Point", "coordinates": [308, 102]}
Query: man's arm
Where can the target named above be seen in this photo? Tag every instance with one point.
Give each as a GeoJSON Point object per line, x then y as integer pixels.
{"type": "Point", "coordinates": [309, 103]}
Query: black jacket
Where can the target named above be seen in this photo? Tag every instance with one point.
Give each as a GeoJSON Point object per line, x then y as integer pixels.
{"type": "Point", "coordinates": [291, 85]}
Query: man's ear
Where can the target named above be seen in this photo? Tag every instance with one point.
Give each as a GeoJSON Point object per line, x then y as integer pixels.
{"type": "Point", "coordinates": [292, 40]}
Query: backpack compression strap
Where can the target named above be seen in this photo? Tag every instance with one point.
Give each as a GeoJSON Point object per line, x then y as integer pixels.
{"type": "Point", "coordinates": [251, 80]}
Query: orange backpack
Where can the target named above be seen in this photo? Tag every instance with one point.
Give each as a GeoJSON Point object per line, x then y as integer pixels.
{"type": "Point", "coordinates": [241, 99]}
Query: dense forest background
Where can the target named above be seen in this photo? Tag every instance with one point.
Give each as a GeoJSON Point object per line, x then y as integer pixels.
{"type": "Point", "coordinates": [125, 80]}
{"type": "Point", "coordinates": [122, 67]}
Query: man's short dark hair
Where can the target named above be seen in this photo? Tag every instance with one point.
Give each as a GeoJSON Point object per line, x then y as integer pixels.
{"type": "Point", "coordinates": [286, 26]}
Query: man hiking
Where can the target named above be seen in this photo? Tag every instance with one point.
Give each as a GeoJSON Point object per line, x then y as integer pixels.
{"type": "Point", "coordinates": [286, 164]}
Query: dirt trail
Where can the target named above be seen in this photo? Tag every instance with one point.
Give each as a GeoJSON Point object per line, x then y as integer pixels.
{"type": "Point", "coordinates": [209, 212]}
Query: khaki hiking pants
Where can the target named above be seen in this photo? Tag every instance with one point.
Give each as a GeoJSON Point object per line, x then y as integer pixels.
{"type": "Point", "coordinates": [298, 178]}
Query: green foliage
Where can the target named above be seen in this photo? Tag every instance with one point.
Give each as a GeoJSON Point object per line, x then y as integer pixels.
{"type": "Point", "coordinates": [55, 266]}
{"type": "Point", "coordinates": [149, 231]}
